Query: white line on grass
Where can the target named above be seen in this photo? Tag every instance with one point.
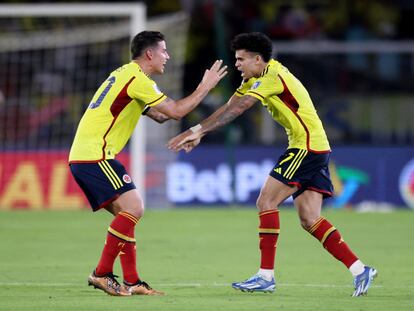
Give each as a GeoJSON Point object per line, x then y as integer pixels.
{"type": "Point", "coordinates": [34, 284]}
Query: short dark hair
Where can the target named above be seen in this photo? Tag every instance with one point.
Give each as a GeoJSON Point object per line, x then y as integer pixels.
{"type": "Point", "coordinates": [253, 42]}
{"type": "Point", "coordinates": [144, 40]}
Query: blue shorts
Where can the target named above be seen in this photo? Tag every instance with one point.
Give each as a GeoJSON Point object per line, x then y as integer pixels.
{"type": "Point", "coordinates": [102, 182]}
{"type": "Point", "coordinates": [305, 170]}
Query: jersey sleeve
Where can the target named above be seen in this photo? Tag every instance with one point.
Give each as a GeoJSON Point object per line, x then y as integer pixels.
{"type": "Point", "coordinates": [265, 87]}
{"type": "Point", "coordinates": [243, 88]}
{"type": "Point", "coordinates": [146, 91]}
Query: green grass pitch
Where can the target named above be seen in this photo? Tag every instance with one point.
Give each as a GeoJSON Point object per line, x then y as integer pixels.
{"type": "Point", "coordinates": [194, 254]}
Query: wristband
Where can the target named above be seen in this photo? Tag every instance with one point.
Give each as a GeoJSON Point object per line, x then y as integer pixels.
{"type": "Point", "coordinates": [146, 108]}
{"type": "Point", "coordinates": [195, 128]}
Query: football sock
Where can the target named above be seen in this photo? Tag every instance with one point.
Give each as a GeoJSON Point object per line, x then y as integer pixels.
{"type": "Point", "coordinates": [120, 233]}
{"type": "Point", "coordinates": [268, 233]}
{"type": "Point", "coordinates": [267, 274]}
{"type": "Point", "coordinates": [357, 268]}
{"type": "Point", "coordinates": [332, 241]}
{"type": "Point", "coordinates": [128, 258]}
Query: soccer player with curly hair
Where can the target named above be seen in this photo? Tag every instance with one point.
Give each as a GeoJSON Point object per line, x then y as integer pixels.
{"type": "Point", "coordinates": [301, 171]}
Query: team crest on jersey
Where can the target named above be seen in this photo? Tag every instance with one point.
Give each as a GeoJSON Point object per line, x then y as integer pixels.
{"type": "Point", "coordinates": [255, 85]}
{"type": "Point", "coordinates": [126, 178]}
{"type": "Point", "coordinates": [156, 89]}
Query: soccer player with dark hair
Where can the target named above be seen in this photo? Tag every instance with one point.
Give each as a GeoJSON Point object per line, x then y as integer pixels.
{"type": "Point", "coordinates": [103, 131]}
{"type": "Point", "coordinates": [301, 171]}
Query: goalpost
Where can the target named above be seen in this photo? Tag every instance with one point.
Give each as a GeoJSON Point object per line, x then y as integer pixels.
{"type": "Point", "coordinates": [53, 58]}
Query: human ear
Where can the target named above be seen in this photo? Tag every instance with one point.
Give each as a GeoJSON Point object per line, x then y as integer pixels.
{"type": "Point", "coordinates": [149, 54]}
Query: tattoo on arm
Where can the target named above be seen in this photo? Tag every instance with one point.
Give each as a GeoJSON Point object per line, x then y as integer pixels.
{"type": "Point", "coordinates": [228, 113]}
{"type": "Point", "coordinates": [167, 100]}
{"type": "Point", "coordinates": [157, 116]}
{"type": "Point", "coordinates": [226, 117]}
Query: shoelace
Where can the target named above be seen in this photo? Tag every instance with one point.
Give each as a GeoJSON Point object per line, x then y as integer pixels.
{"type": "Point", "coordinates": [145, 284]}
{"type": "Point", "coordinates": [112, 281]}
{"type": "Point", "coordinates": [140, 283]}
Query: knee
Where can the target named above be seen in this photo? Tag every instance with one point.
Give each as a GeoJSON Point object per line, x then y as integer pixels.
{"type": "Point", "coordinates": [136, 209]}
{"type": "Point", "coordinates": [306, 222]}
{"type": "Point", "coordinates": [138, 213]}
{"type": "Point", "coordinates": [263, 204]}
{"type": "Point", "coordinates": [305, 225]}
{"type": "Point", "coordinates": [131, 204]}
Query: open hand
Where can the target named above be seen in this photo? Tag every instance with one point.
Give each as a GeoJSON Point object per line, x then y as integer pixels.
{"type": "Point", "coordinates": [213, 75]}
{"type": "Point", "coordinates": [186, 140]}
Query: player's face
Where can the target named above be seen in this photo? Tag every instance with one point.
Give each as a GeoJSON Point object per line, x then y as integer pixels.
{"type": "Point", "coordinates": [247, 64]}
{"type": "Point", "coordinates": [160, 57]}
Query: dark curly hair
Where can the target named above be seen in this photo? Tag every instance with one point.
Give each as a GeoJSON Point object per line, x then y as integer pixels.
{"type": "Point", "coordinates": [144, 40]}
{"type": "Point", "coordinates": [253, 42]}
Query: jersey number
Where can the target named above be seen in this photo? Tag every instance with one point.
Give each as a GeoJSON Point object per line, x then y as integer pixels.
{"type": "Point", "coordinates": [103, 94]}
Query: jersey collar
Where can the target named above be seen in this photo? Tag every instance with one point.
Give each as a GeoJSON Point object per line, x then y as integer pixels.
{"type": "Point", "coordinates": [266, 69]}
{"type": "Point", "coordinates": [139, 68]}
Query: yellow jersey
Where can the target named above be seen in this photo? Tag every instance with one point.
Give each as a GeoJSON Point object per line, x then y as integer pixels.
{"type": "Point", "coordinates": [113, 113]}
{"type": "Point", "coordinates": [290, 105]}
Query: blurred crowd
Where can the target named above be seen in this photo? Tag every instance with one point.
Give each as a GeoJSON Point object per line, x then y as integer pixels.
{"type": "Point", "coordinates": [355, 94]}
{"type": "Point", "coordinates": [343, 86]}
{"type": "Point", "coordinates": [337, 82]}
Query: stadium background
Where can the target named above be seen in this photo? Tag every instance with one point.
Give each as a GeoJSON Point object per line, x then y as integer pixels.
{"type": "Point", "coordinates": [199, 231]}
{"type": "Point", "coordinates": [355, 58]}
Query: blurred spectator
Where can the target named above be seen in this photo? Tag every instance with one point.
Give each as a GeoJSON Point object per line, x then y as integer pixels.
{"type": "Point", "coordinates": [334, 78]}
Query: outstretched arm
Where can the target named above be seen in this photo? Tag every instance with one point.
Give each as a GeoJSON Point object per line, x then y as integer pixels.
{"type": "Point", "coordinates": [155, 114]}
{"type": "Point", "coordinates": [224, 115]}
{"type": "Point", "coordinates": [178, 109]}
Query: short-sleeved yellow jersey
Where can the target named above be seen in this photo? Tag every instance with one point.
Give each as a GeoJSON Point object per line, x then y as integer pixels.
{"type": "Point", "coordinates": [290, 105]}
{"type": "Point", "coordinates": [113, 113]}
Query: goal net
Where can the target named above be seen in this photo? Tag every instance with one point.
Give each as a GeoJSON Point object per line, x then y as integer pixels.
{"type": "Point", "coordinates": [53, 58]}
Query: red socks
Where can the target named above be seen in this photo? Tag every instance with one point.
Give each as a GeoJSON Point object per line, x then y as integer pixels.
{"type": "Point", "coordinates": [268, 233]}
{"type": "Point", "coordinates": [327, 234]}
{"type": "Point", "coordinates": [128, 259]}
{"type": "Point", "coordinates": [120, 240]}
{"type": "Point", "coordinates": [332, 241]}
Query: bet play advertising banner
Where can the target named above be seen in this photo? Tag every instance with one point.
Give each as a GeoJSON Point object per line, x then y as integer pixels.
{"type": "Point", "coordinates": [216, 175]}
{"type": "Point", "coordinates": [212, 175]}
